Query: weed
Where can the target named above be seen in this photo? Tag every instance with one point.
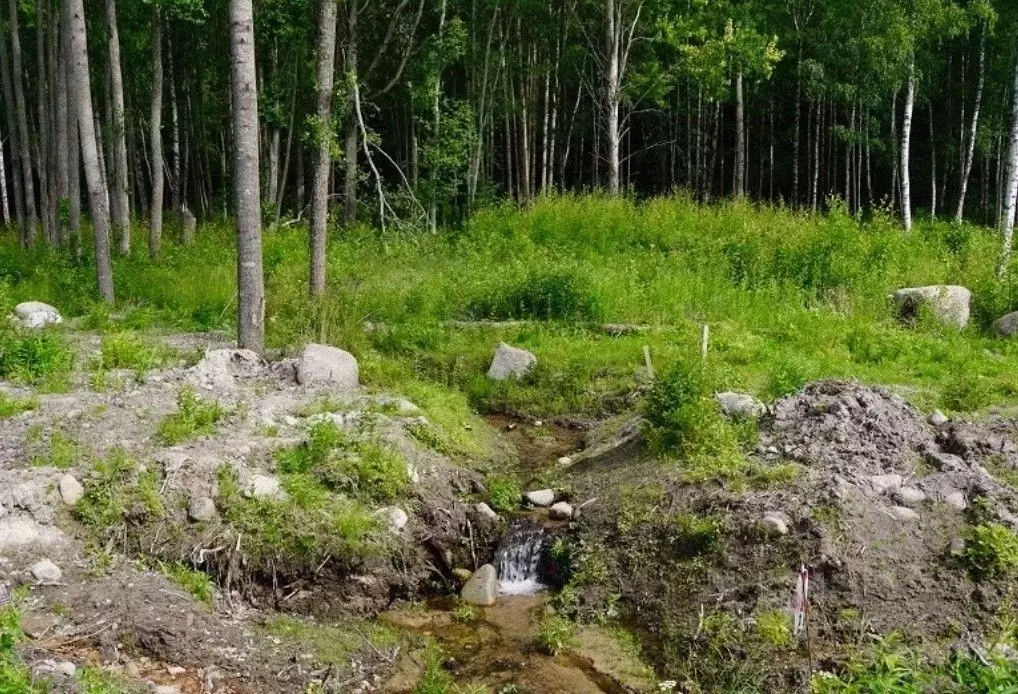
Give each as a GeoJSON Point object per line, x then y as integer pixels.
{"type": "Point", "coordinates": [11, 406]}
{"type": "Point", "coordinates": [504, 493]}
{"type": "Point", "coordinates": [61, 452]}
{"type": "Point", "coordinates": [774, 627]}
{"type": "Point", "coordinates": [39, 357]}
{"type": "Point", "coordinates": [194, 417]}
{"type": "Point", "coordinates": [466, 613]}
{"type": "Point", "coordinates": [195, 582]}
{"type": "Point", "coordinates": [15, 677]}
{"type": "Point", "coordinates": [95, 680]}
{"type": "Point", "coordinates": [118, 498]}
{"type": "Point", "coordinates": [991, 551]}
{"type": "Point", "coordinates": [556, 634]}
{"type": "Point", "coordinates": [128, 350]}
{"type": "Point", "coordinates": [332, 644]}
{"type": "Point", "coordinates": [435, 679]}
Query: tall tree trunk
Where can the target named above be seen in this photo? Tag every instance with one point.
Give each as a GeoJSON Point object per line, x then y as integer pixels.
{"type": "Point", "coordinates": [612, 96]}
{"type": "Point", "coordinates": [155, 226]}
{"type": "Point", "coordinates": [326, 59]}
{"type": "Point", "coordinates": [436, 128]}
{"type": "Point", "coordinates": [970, 150]}
{"type": "Point", "coordinates": [244, 107]}
{"type": "Point", "coordinates": [97, 194]}
{"type": "Point", "coordinates": [42, 144]}
{"type": "Point", "coordinates": [1010, 187]}
{"type": "Point", "coordinates": [73, 145]}
{"type": "Point", "coordinates": [933, 167]}
{"type": "Point", "coordinates": [10, 110]}
{"type": "Point", "coordinates": [896, 151]}
{"type": "Point", "coordinates": [740, 138]}
{"type": "Point", "coordinates": [351, 142]}
{"type": "Point", "coordinates": [906, 147]}
{"type": "Point", "coordinates": [28, 226]}
{"type": "Point", "coordinates": [121, 223]}
{"type": "Point", "coordinates": [62, 138]}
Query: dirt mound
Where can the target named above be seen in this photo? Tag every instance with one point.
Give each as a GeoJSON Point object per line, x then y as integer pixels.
{"type": "Point", "coordinates": [878, 511]}
{"type": "Point", "coordinates": [850, 428]}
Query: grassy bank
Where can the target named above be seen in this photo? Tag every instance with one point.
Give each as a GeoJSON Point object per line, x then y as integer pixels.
{"type": "Point", "coordinates": [789, 298]}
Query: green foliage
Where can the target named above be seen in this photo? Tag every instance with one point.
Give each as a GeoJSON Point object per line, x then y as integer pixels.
{"type": "Point", "coordinates": [435, 679]}
{"type": "Point", "coordinates": [683, 420]}
{"type": "Point", "coordinates": [194, 417]}
{"type": "Point", "coordinates": [556, 634]}
{"type": "Point", "coordinates": [95, 680]}
{"type": "Point", "coordinates": [333, 644]}
{"type": "Point", "coordinates": [197, 583]}
{"type": "Point", "coordinates": [128, 350]}
{"type": "Point", "coordinates": [775, 628]}
{"type": "Point", "coordinates": [119, 497]}
{"type": "Point", "coordinates": [466, 613]}
{"type": "Point", "coordinates": [991, 551]}
{"type": "Point", "coordinates": [364, 468]}
{"type": "Point", "coordinates": [541, 294]}
{"type": "Point", "coordinates": [15, 677]}
{"type": "Point", "coordinates": [11, 405]}
{"type": "Point", "coordinates": [299, 532]}
{"type": "Point", "coordinates": [60, 451]}
{"type": "Point", "coordinates": [504, 493]}
{"type": "Point", "coordinates": [41, 357]}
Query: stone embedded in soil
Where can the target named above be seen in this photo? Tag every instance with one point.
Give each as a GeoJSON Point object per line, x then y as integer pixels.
{"type": "Point", "coordinates": [327, 365]}
{"type": "Point", "coordinates": [880, 484]}
{"type": "Point", "coordinates": [949, 304]}
{"type": "Point", "coordinates": [776, 522]}
{"type": "Point", "coordinates": [565, 460]}
{"type": "Point", "coordinates": [71, 490]}
{"type": "Point", "coordinates": [740, 405]}
{"type": "Point", "coordinates": [165, 689]}
{"type": "Point", "coordinates": [482, 587]}
{"type": "Point", "coordinates": [903, 513]}
{"type": "Point", "coordinates": [937, 418]}
{"type": "Point", "coordinates": [1007, 325]}
{"type": "Point", "coordinates": [487, 511]}
{"type": "Point", "coordinates": [511, 363]}
{"type": "Point", "coordinates": [201, 509]}
{"type": "Point", "coordinates": [260, 486]}
{"type": "Point", "coordinates": [541, 497]}
{"type": "Point", "coordinates": [909, 496]}
{"type": "Point", "coordinates": [398, 519]}
{"type": "Point", "coordinates": [561, 511]}
{"type": "Point", "coordinates": [36, 314]}
{"type": "Point", "coordinates": [38, 624]}
{"type": "Point", "coordinates": [956, 500]}
{"type": "Point", "coordinates": [45, 571]}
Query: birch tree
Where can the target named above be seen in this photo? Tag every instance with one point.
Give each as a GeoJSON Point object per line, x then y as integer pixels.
{"type": "Point", "coordinates": [323, 142]}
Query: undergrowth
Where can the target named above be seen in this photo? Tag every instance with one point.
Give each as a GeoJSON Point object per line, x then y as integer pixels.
{"type": "Point", "coordinates": [194, 417]}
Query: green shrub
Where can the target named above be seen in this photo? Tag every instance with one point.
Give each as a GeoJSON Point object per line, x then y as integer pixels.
{"type": "Point", "coordinates": [466, 613]}
{"type": "Point", "coordinates": [774, 627]}
{"type": "Point", "coordinates": [547, 294]}
{"type": "Point", "coordinates": [194, 417]}
{"type": "Point", "coordinates": [504, 493]}
{"type": "Point", "coordinates": [118, 497]}
{"type": "Point", "coordinates": [15, 677]}
{"type": "Point", "coordinates": [991, 551]}
{"type": "Point", "coordinates": [556, 634]}
{"type": "Point", "coordinates": [41, 357]}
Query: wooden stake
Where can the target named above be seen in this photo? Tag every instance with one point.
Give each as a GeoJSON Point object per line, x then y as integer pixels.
{"type": "Point", "coordinates": [646, 360]}
{"type": "Point", "coordinates": [704, 340]}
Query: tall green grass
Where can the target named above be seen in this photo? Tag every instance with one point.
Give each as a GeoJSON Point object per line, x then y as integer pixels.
{"type": "Point", "coordinates": [789, 297]}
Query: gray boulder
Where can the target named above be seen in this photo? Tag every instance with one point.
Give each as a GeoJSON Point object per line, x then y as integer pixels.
{"type": "Point", "coordinates": [909, 496]}
{"type": "Point", "coordinates": [201, 509]}
{"type": "Point", "coordinates": [398, 519]}
{"type": "Point", "coordinates": [327, 365]}
{"type": "Point", "coordinates": [487, 511]}
{"type": "Point", "coordinates": [482, 587]}
{"type": "Point", "coordinates": [71, 490]}
{"type": "Point", "coordinates": [776, 522]}
{"type": "Point", "coordinates": [740, 405]}
{"type": "Point", "coordinates": [35, 314]}
{"type": "Point", "coordinates": [261, 486]}
{"type": "Point", "coordinates": [950, 304]}
{"type": "Point", "coordinates": [937, 418]}
{"type": "Point", "coordinates": [541, 497]}
{"type": "Point", "coordinates": [1006, 326]}
{"type": "Point", "coordinates": [511, 363]}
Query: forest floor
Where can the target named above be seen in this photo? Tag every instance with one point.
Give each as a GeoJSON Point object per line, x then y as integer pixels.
{"type": "Point", "coordinates": [682, 563]}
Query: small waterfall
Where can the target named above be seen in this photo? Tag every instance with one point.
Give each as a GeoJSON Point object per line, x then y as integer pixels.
{"type": "Point", "coordinates": [517, 558]}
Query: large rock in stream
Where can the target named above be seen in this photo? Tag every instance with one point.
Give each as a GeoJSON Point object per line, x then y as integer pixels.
{"type": "Point", "coordinates": [482, 588]}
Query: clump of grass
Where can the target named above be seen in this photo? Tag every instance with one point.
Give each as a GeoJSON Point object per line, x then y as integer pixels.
{"type": "Point", "coordinates": [14, 674]}
{"type": "Point", "coordinates": [504, 493]}
{"type": "Point", "coordinates": [194, 417]}
{"type": "Point", "coordinates": [466, 613]}
{"type": "Point", "coordinates": [11, 406]}
{"type": "Point", "coordinates": [774, 627]}
{"type": "Point", "coordinates": [61, 451]}
{"type": "Point", "coordinates": [195, 582]}
{"type": "Point", "coordinates": [95, 680]}
{"type": "Point", "coordinates": [683, 420]}
{"type": "Point", "coordinates": [119, 498]}
{"type": "Point", "coordinates": [991, 551]}
{"type": "Point", "coordinates": [541, 294]}
{"type": "Point", "coordinates": [556, 634]}
{"type": "Point", "coordinates": [40, 357]}
{"type": "Point", "coordinates": [311, 525]}
{"type": "Point", "coordinates": [335, 643]}
{"type": "Point", "coordinates": [364, 468]}
{"type": "Point", "coordinates": [129, 350]}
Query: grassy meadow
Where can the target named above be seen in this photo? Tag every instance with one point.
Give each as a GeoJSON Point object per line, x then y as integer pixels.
{"type": "Point", "coordinates": [789, 298]}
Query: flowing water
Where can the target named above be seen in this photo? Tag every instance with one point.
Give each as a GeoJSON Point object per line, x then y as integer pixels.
{"type": "Point", "coordinates": [518, 556]}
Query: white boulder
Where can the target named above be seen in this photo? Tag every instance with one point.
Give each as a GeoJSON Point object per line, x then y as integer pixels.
{"type": "Point", "coordinates": [541, 497]}
{"type": "Point", "coordinates": [35, 314]}
{"type": "Point", "coordinates": [950, 304]}
{"type": "Point", "coordinates": [740, 405]}
{"type": "Point", "coordinates": [71, 490]}
{"type": "Point", "coordinates": [327, 365]}
{"type": "Point", "coordinates": [511, 363]}
{"type": "Point", "coordinates": [45, 571]}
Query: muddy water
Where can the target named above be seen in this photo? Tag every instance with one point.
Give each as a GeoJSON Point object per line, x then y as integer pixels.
{"type": "Point", "coordinates": [498, 649]}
